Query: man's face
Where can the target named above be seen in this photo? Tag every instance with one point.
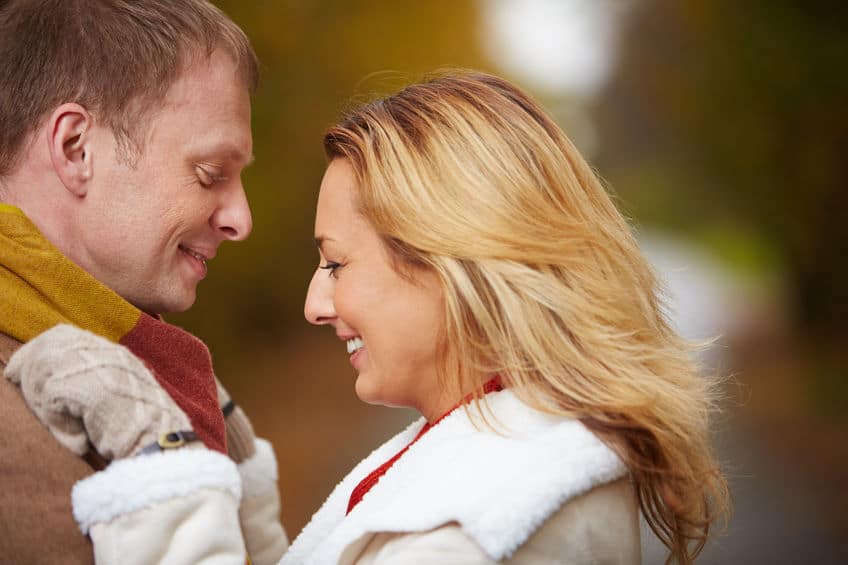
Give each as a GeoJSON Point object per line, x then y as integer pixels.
{"type": "Point", "coordinates": [150, 226]}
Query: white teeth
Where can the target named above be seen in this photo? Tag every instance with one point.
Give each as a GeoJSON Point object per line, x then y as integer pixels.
{"type": "Point", "coordinates": [354, 344]}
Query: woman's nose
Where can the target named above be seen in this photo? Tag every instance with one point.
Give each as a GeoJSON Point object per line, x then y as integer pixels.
{"type": "Point", "coordinates": [319, 309]}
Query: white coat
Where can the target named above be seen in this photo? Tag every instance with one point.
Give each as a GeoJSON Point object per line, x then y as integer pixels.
{"type": "Point", "coordinates": [532, 490]}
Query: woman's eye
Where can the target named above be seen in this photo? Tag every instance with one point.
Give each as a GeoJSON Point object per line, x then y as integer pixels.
{"type": "Point", "coordinates": [330, 266]}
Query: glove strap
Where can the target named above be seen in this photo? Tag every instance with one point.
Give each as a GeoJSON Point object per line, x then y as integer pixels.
{"type": "Point", "coordinates": [170, 440]}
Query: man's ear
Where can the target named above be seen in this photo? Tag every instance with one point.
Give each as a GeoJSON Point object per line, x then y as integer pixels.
{"type": "Point", "coordinates": [70, 146]}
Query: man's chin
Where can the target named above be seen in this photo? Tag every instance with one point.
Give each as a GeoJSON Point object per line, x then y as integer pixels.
{"type": "Point", "coordinates": [166, 305]}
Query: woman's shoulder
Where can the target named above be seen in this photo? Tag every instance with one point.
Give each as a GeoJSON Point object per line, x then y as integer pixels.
{"type": "Point", "coordinates": [600, 526]}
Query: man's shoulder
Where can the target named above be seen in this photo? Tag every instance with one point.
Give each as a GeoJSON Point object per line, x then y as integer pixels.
{"type": "Point", "coordinates": [38, 473]}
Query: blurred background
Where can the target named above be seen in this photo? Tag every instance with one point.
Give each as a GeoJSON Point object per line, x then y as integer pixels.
{"type": "Point", "coordinates": [721, 128]}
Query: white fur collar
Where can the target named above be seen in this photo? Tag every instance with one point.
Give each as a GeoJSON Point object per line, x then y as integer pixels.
{"type": "Point", "coordinates": [499, 487]}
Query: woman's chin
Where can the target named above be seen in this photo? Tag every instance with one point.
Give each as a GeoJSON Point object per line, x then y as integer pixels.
{"type": "Point", "coordinates": [365, 390]}
{"type": "Point", "coordinates": [370, 393]}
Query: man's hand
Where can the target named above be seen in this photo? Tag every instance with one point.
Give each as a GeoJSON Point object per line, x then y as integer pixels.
{"type": "Point", "coordinates": [85, 388]}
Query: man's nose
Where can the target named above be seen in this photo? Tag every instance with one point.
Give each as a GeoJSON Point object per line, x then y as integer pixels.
{"type": "Point", "coordinates": [319, 309]}
{"type": "Point", "coordinates": [232, 216]}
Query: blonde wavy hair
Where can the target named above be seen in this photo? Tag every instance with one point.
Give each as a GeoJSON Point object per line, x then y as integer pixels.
{"type": "Point", "coordinates": [544, 284]}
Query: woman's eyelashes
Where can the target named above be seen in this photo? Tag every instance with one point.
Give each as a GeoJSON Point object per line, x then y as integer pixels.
{"type": "Point", "coordinates": [332, 267]}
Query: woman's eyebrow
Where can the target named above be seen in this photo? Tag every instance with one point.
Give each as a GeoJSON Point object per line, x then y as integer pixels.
{"type": "Point", "coordinates": [320, 239]}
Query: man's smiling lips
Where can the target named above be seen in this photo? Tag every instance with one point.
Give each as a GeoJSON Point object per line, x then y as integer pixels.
{"type": "Point", "coordinates": [199, 258]}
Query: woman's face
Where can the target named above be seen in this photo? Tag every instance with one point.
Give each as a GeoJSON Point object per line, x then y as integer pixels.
{"type": "Point", "coordinates": [388, 323]}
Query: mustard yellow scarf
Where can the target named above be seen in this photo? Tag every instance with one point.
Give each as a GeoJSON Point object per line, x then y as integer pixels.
{"type": "Point", "coordinates": [40, 287]}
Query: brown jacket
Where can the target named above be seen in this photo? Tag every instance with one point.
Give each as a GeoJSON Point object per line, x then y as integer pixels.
{"type": "Point", "coordinates": [36, 477]}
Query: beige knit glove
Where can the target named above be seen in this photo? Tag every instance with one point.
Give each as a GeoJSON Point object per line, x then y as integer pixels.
{"type": "Point", "coordinates": [240, 437]}
{"type": "Point", "coordinates": [85, 388]}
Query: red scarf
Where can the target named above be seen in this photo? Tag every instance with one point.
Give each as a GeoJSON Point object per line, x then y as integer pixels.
{"type": "Point", "coordinates": [369, 481]}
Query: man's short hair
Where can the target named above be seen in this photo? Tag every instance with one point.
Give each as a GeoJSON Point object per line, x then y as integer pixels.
{"type": "Point", "coordinates": [117, 58]}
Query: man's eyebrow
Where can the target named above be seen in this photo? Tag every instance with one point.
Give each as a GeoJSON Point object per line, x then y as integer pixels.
{"type": "Point", "coordinates": [227, 151]}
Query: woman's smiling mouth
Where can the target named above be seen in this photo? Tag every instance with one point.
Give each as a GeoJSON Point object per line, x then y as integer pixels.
{"type": "Point", "coordinates": [354, 344]}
